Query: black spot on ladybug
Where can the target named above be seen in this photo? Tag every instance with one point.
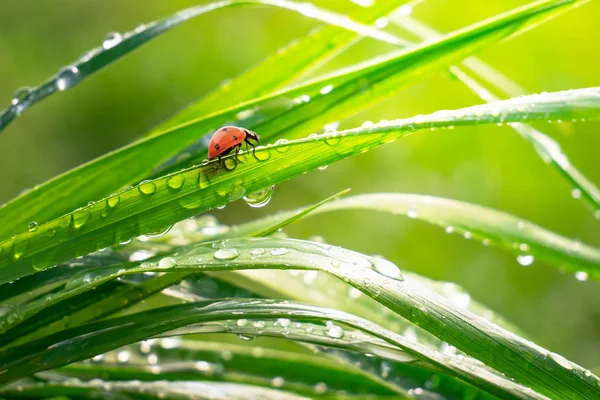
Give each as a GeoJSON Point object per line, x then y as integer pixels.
{"type": "Point", "coordinates": [224, 129]}
{"type": "Point", "coordinates": [234, 137]}
{"type": "Point", "coordinates": [217, 146]}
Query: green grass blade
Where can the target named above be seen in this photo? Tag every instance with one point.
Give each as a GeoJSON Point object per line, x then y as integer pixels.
{"type": "Point", "coordinates": [286, 112]}
{"type": "Point", "coordinates": [243, 364]}
{"type": "Point", "coordinates": [149, 390]}
{"type": "Point", "coordinates": [548, 149]}
{"type": "Point", "coordinates": [117, 46]}
{"type": "Point", "coordinates": [88, 340]}
{"type": "Point", "coordinates": [531, 365]}
{"type": "Point", "coordinates": [281, 68]}
{"type": "Point", "coordinates": [153, 205]}
{"type": "Point", "coordinates": [58, 313]}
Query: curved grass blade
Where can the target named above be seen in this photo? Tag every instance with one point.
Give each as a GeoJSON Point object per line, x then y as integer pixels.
{"type": "Point", "coordinates": [116, 46]}
{"type": "Point", "coordinates": [153, 205]}
{"type": "Point", "coordinates": [60, 314]}
{"type": "Point", "coordinates": [88, 340]}
{"type": "Point", "coordinates": [179, 390]}
{"type": "Point", "coordinates": [528, 241]}
{"type": "Point", "coordinates": [529, 364]}
{"type": "Point", "coordinates": [293, 112]}
{"type": "Point", "coordinates": [281, 68]}
{"type": "Point", "coordinates": [545, 146]}
{"type": "Point", "coordinates": [179, 360]}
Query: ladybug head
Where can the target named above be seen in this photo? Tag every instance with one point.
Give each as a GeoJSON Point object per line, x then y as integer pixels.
{"type": "Point", "coordinates": [252, 135]}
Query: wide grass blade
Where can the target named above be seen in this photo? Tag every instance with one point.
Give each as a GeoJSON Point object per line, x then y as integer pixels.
{"type": "Point", "coordinates": [117, 45]}
{"type": "Point", "coordinates": [88, 340]}
{"type": "Point", "coordinates": [293, 112]}
{"type": "Point", "coordinates": [154, 205]}
{"type": "Point", "coordinates": [531, 365]}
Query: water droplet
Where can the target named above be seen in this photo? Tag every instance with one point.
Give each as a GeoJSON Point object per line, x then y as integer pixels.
{"type": "Point", "coordinates": [226, 254]}
{"type": "Point", "coordinates": [19, 99]}
{"type": "Point", "coordinates": [581, 276]}
{"type": "Point", "coordinates": [257, 252]}
{"type": "Point", "coordinates": [381, 23]}
{"type": "Point", "coordinates": [279, 252]}
{"type": "Point", "coordinates": [113, 201]}
{"type": "Point", "coordinates": [354, 293]}
{"type": "Point", "coordinates": [326, 89]}
{"type": "Point", "coordinates": [67, 78]}
{"type": "Point", "coordinates": [160, 232]}
{"type": "Point", "coordinates": [33, 226]}
{"type": "Point", "coordinates": [260, 198]}
{"type": "Point", "coordinates": [335, 332]}
{"type": "Point", "coordinates": [277, 381]}
{"type": "Point", "coordinates": [111, 40]}
{"type": "Point", "coordinates": [524, 247]}
{"type": "Point", "coordinates": [405, 10]}
{"type": "Point", "coordinates": [449, 229]}
{"type": "Point", "coordinates": [587, 373]}
{"type": "Point", "coordinates": [123, 356]}
{"type": "Point", "coordinates": [411, 213]}
{"type": "Point", "coordinates": [320, 388]}
{"type": "Point", "coordinates": [80, 217]}
{"type": "Point", "coordinates": [259, 324]}
{"type": "Point", "coordinates": [322, 167]}
{"type": "Point", "coordinates": [576, 193]}
{"type": "Point", "coordinates": [525, 259]}
{"type": "Point", "coordinates": [467, 235]}
{"type": "Point", "coordinates": [284, 322]}
{"type": "Point", "coordinates": [167, 262]}
{"type": "Point", "coordinates": [262, 153]}
{"type": "Point", "coordinates": [175, 181]}
{"type": "Point", "coordinates": [332, 139]}
{"type": "Point", "coordinates": [242, 322]}
{"type": "Point", "coordinates": [147, 187]}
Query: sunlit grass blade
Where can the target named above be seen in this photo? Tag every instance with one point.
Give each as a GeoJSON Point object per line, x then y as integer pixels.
{"type": "Point", "coordinates": [472, 69]}
{"type": "Point", "coordinates": [294, 112]}
{"type": "Point", "coordinates": [528, 364]}
{"type": "Point", "coordinates": [178, 390]}
{"type": "Point", "coordinates": [58, 313]}
{"type": "Point", "coordinates": [86, 341]}
{"type": "Point", "coordinates": [154, 205]}
{"type": "Point", "coordinates": [173, 359]}
{"type": "Point", "coordinates": [282, 67]}
{"type": "Point", "coordinates": [118, 45]}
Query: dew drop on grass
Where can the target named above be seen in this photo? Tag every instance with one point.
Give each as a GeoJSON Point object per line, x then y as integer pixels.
{"type": "Point", "coordinates": [279, 252]}
{"type": "Point", "coordinates": [159, 233]}
{"type": "Point", "coordinates": [405, 10]}
{"type": "Point", "coordinates": [576, 193]}
{"type": "Point", "coordinates": [449, 229]}
{"type": "Point", "coordinates": [123, 356]}
{"type": "Point", "coordinates": [19, 99]}
{"type": "Point", "coordinates": [260, 198]}
{"type": "Point", "coordinates": [226, 254]}
{"type": "Point", "coordinates": [335, 331]}
{"type": "Point", "coordinates": [167, 262]}
{"type": "Point", "coordinates": [257, 252]}
{"type": "Point", "coordinates": [33, 226]}
{"type": "Point", "coordinates": [113, 201]}
{"type": "Point", "coordinates": [525, 259]}
{"type": "Point", "coordinates": [80, 217]}
{"type": "Point", "coordinates": [581, 276]}
{"type": "Point", "coordinates": [322, 167]}
{"type": "Point", "coordinates": [147, 187]}
{"type": "Point", "coordinates": [242, 322]}
{"type": "Point", "coordinates": [67, 78]}
{"type": "Point", "coordinates": [326, 89]}
{"type": "Point", "coordinates": [175, 181]}
{"type": "Point", "coordinates": [381, 23]}
{"type": "Point", "coordinates": [277, 381]}
{"type": "Point", "coordinates": [411, 213]}
{"type": "Point", "coordinates": [111, 40]}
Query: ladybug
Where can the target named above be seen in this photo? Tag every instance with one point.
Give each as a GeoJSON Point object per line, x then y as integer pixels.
{"type": "Point", "coordinates": [230, 138]}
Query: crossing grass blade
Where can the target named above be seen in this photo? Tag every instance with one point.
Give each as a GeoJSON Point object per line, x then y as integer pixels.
{"type": "Point", "coordinates": [295, 112]}
{"type": "Point", "coordinates": [154, 205]}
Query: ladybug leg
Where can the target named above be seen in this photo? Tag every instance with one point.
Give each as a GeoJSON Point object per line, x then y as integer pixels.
{"type": "Point", "coordinates": [219, 164]}
{"type": "Point", "coordinates": [251, 145]}
{"type": "Point", "coordinates": [246, 146]}
{"type": "Point", "coordinates": [237, 155]}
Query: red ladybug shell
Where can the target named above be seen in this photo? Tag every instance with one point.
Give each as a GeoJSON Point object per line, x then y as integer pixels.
{"type": "Point", "coordinates": [224, 139]}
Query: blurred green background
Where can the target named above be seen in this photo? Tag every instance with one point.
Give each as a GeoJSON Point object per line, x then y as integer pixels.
{"type": "Point", "coordinates": [490, 166]}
